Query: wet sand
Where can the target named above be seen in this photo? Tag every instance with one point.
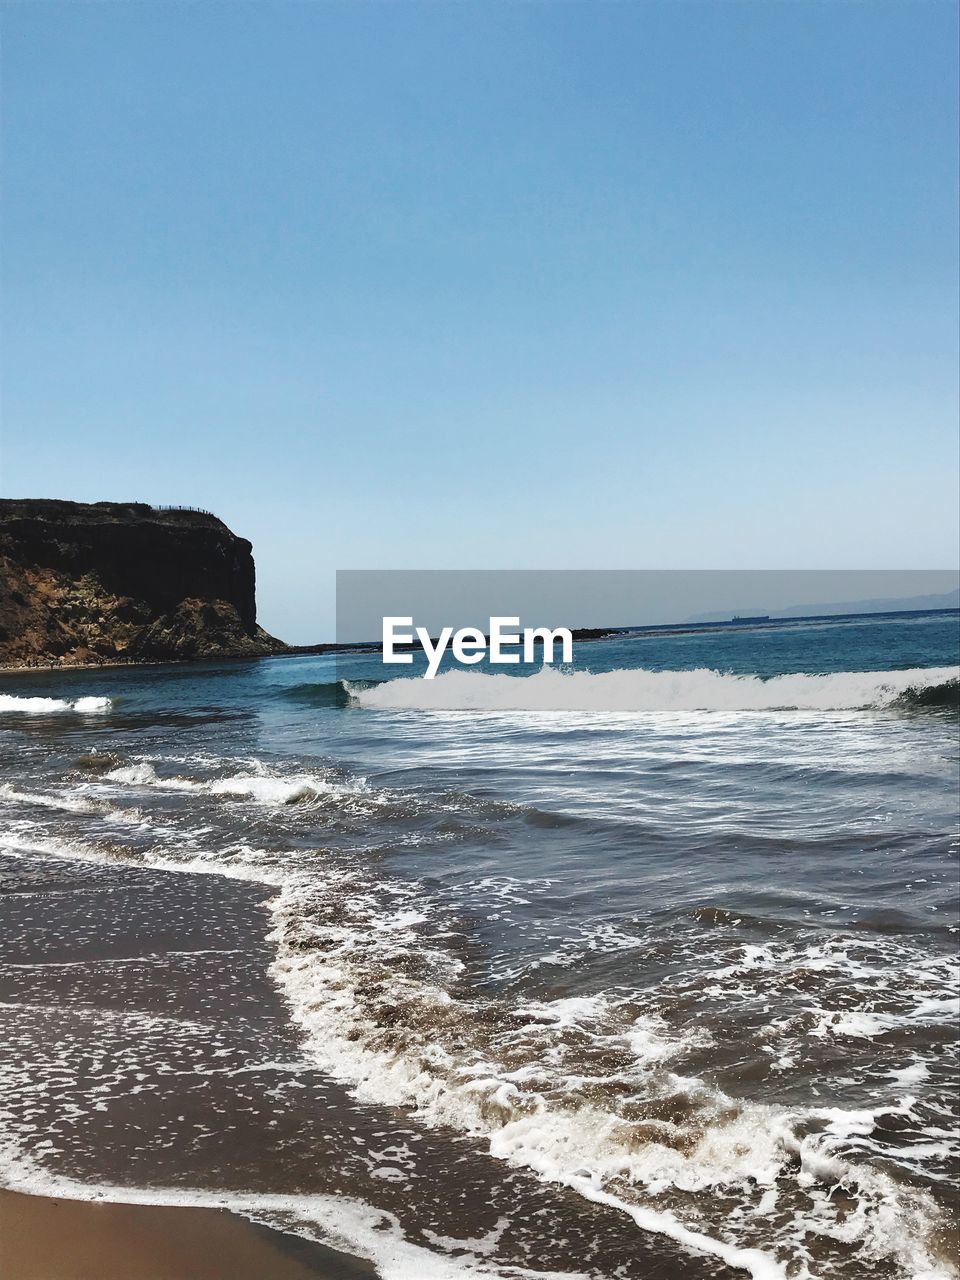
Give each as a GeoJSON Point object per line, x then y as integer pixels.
{"type": "Point", "coordinates": [44, 1239]}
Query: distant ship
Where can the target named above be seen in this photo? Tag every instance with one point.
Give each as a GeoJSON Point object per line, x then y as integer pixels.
{"type": "Point", "coordinates": [764, 618]}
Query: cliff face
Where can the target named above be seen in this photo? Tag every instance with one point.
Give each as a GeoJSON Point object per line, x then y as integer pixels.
{"type": "Point", "coordinates": [116, 581]}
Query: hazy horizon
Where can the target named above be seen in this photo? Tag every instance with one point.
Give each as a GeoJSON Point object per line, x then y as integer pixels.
{"type": "Point", "coordinates": [622, 598]}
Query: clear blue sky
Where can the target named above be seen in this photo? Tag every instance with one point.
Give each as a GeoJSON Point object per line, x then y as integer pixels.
{"type": "Point", "coordinates": [489, 284]}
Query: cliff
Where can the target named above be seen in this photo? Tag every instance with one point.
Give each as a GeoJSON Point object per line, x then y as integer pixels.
{"type": "Point", "coordinates": [122, 581]}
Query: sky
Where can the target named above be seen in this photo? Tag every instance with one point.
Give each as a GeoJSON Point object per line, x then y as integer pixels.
{"type": "Point", "coordinates": [441, 598]}
{"type": "Point", "coordinates": [488, 285]}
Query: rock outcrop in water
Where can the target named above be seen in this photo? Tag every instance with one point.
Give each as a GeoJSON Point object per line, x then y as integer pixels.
{"type": "Point", "coordinates": [123, 581]}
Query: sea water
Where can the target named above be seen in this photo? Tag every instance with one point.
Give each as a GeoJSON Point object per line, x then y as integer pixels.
{"type": "Point", "coordinates": [642, 967]}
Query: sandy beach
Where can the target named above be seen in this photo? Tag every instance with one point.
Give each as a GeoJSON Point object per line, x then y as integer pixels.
{"type": "Point", "coordinates": [45, 1239]}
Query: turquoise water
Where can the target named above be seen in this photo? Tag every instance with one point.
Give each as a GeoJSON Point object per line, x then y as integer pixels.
{"type": "Point", "coordinates": [879, 642]}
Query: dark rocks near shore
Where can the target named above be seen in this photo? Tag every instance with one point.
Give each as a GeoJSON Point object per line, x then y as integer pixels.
{"type": "Point", "coordinates": [111, 582]}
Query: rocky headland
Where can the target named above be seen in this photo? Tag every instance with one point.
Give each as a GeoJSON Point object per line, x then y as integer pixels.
{"type": "Point", "coordinates": [103, 582]}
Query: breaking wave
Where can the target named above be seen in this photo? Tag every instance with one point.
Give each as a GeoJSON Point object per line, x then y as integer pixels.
{"type": "Point", "coordinates": [261, 788]}
{"type": "Point", "coordinates": [591, 1092]}
{"type": "Point", "coordinates": [326, 693]}
{"type": "Point", "coordinates": [552, 689]}
{"type": "Point", "coordinates": [54, 706]}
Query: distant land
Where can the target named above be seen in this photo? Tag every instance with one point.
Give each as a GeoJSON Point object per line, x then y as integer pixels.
{"type": "Point", "coordinates": [909, 604]}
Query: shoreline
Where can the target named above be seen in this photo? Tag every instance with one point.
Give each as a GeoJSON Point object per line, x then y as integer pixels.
{"type": "Point", "coordinates": [174, 945]}
{"type": "Point", "coordinates": [46, 1238]}
{"type": "Point", "coordinates": [44, 668]}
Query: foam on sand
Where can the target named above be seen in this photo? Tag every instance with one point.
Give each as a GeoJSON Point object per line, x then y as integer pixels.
{"type": "Point", "coordinates": [340, 1222]}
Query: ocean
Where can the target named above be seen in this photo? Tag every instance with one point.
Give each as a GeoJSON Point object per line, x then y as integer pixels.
{"type": "Point", "coordinates": [663, 984]}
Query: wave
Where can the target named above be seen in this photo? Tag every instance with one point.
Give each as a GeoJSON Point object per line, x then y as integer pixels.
{"type": "Point", "coordinates": [590, 1092]}
{"type": "Point", "coordinates": [258, 787]}
{"type": "Point", "coordinates": [551, 689]}
{"type": "Point", "coordinates": [332, 693]}
{"type": "Point", "coordinates": [456, 811]}
{"type": "Point", "coordinates": [54, 706]}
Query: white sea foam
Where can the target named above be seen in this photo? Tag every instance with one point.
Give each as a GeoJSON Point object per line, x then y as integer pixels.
{"type": "Point", "coordinates": [340, 1222]}
{"type": "Point", "coordinates": [261, 788]}
{"type": "Point", "coordinates": [528, 1119]}
{"type": "Point", "coordinates": [52, 800]}
{"type": "Point", "coordinates": [53, 706]}
{"type": "Point", "coordinates": [904, 1077]}
{"type": "Point", "coordinates": [551, 689]}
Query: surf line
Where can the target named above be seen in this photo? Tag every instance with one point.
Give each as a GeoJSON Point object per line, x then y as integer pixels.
{"type": "Point", "coordinates": [501, 643]}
